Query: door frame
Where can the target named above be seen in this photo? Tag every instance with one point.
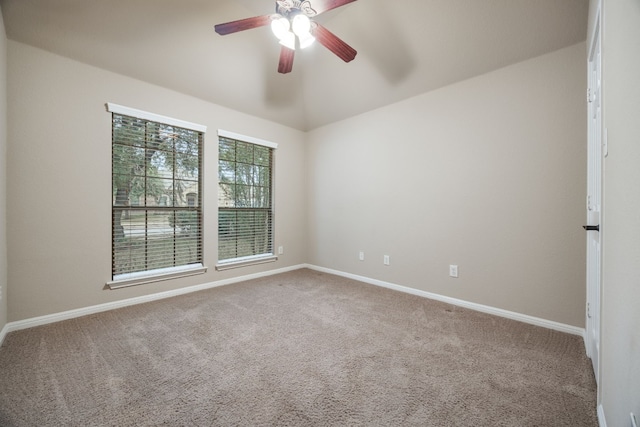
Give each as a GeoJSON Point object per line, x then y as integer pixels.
{"type": "Point", "coordinates": [596, 154]}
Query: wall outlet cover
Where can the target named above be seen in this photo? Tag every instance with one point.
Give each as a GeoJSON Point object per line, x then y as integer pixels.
{"type": "Point", "coordinates": [453, 270]}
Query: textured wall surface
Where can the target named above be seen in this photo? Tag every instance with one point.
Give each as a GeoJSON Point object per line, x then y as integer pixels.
{"type": "Point", "coordinates": [59, 173]}
{"type": "Point", "coordinates": [488, 174]}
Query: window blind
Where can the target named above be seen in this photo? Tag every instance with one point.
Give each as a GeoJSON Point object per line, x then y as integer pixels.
{"type": "Point", "coordinates": [156, 196]}
{"type": "Point", "coordinates": [245, 207]}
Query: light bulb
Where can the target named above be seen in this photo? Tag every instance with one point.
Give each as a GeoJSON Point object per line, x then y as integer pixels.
{"type": "Point", "coordinates": [301, 25]}
{"type": "Point", "coordinates": [280, 27]}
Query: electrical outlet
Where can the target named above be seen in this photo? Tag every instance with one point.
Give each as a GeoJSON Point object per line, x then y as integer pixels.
{"type": "Point", "coordinates": [387, 260]}
{"type": "Point", "coordinates": [280, 250]}
{"type": "Point", "coordinates": [361, 256]}
{"type": "Point", "coordinates": [453, 270]}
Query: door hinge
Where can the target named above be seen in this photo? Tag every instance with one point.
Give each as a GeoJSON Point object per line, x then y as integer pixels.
{"type": "Point", "coordinates": [589, 95]}
{"type": "Point", "coordinates": [589, 310]}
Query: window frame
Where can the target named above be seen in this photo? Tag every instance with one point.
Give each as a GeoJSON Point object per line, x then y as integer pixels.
{"type": "Point", "coordinates": [164, 273]}
{"type": "Point", "coordinates": [248, 260]}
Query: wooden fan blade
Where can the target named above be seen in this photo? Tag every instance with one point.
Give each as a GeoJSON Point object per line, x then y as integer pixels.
{"type": "Point", "coordinates": [321, 6]}
{"type": "Point", "coordinates": [286, 60]}
{"type": "Point", "coordinates": [243, 24]}
{"type": "Point", "coordinates": [329, 40]}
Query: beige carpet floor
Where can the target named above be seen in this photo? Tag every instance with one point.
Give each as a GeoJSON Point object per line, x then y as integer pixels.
{"type": "Point", "coordinates": [297, 349]}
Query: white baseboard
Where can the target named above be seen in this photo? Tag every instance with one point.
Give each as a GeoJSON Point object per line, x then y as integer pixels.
{"type": "Point", "coordinates": [601, 419]}
{"type": "Point", "coordinates": [71, 314]}
{"type": "Point", "coordinates": [574, 330]}
{"type": "Point", "coordinates": [3, 333]}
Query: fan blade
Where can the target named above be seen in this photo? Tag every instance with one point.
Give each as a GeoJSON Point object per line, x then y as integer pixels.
{"type": "Point", "coordinates": [321, 6]}
{"type": "Point", "coordinates": [286, 60]}
{"type": "Point", "coordinates": [329, 40]}
{"type": "Point", "coordinates": [243, 24]}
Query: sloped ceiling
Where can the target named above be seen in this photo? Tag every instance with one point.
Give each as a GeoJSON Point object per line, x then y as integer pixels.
{"type": "Point", "coordinates": [405, 48]}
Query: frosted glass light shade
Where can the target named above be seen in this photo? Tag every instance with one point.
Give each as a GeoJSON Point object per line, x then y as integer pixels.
{"type": "Point", "coordinates": [288, 40]}
{"type": "Point", "coordinates": [280, 27]}
{"type": "Point", "coordinates": [306, 40]}
{"type": "Point", "coordinates": [301, 25]}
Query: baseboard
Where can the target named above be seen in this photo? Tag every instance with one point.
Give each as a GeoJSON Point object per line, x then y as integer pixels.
{"type": "Point", "coordinates": [3, 333]}
{"type": "Point", "coordinates": [574, 330]}
{"type": "Point", "coordinates": [71, 314]}
{"type": "Point", "coordinates": [601, 419]}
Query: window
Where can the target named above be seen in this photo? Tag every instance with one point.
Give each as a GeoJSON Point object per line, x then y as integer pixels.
{"type": "Point", "coordinates": [156, 197]}
{"type": "Point", "coordinates": [245, 200]}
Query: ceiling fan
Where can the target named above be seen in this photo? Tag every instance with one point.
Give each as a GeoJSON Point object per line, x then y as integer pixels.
{"type": "Point", "coordinates": [293, 18]}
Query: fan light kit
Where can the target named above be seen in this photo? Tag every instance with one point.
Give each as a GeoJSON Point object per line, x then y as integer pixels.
{"type": "Point", "coordinates": [301, 26]}
{"type": "Point", "coordinates": [292, 21]}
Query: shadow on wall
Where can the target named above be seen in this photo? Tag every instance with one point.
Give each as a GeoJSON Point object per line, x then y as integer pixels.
{"type": "Point", "coordinates": [382, 42]}
{"type": "Point", "coordinates": [283, 93]}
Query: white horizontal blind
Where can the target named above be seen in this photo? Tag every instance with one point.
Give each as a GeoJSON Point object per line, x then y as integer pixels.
{"type": "Point", "coordinates": [245, 210]}
{"type": "Point", "coordinates": [156, 195]}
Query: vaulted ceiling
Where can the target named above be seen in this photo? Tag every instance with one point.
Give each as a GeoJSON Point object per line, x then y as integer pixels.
{"type": "Point", "coordinates": [405, 48]}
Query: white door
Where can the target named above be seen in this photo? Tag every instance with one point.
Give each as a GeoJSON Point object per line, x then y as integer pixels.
{"type": "Point", "coordinates": [594, 202]}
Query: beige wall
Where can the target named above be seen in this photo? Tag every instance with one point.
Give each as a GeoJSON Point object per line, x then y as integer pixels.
{"type": "Point", "coordinates": [59, 177]}
{"type": "Point", "coordinates": [488, 174]}
{"type": "Point", "coordinates": [3, 176]}
{"type": "Point", "coordinates": [620, 341]}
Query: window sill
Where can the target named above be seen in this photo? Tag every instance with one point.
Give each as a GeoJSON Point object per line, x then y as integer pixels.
{"type": "Point", "coordinates": [245, 262]}
{"type": "Point", "coordinates": [133, 279]}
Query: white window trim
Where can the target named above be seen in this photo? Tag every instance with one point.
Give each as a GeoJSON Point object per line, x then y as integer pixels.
{"type": "Point", "coordinates": [132, 112]}
{"type": "Point", "coordinates": [245, 138]}
{"type": "Point", "coordinates": [161, 274]}
{"type": "Point", "coordinates": [245, 261]}
{"type": "Point", "coordinates": [158, 275]}
{"type": "Point", "coordinates": [228, 264]}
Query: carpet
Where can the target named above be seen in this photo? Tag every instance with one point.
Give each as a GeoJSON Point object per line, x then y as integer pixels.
{"type": "Point", "coordinates": [302, 348]}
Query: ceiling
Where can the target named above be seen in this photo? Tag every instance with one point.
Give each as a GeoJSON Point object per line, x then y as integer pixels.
{"type": "Point", "coordinates": [405, 48]}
